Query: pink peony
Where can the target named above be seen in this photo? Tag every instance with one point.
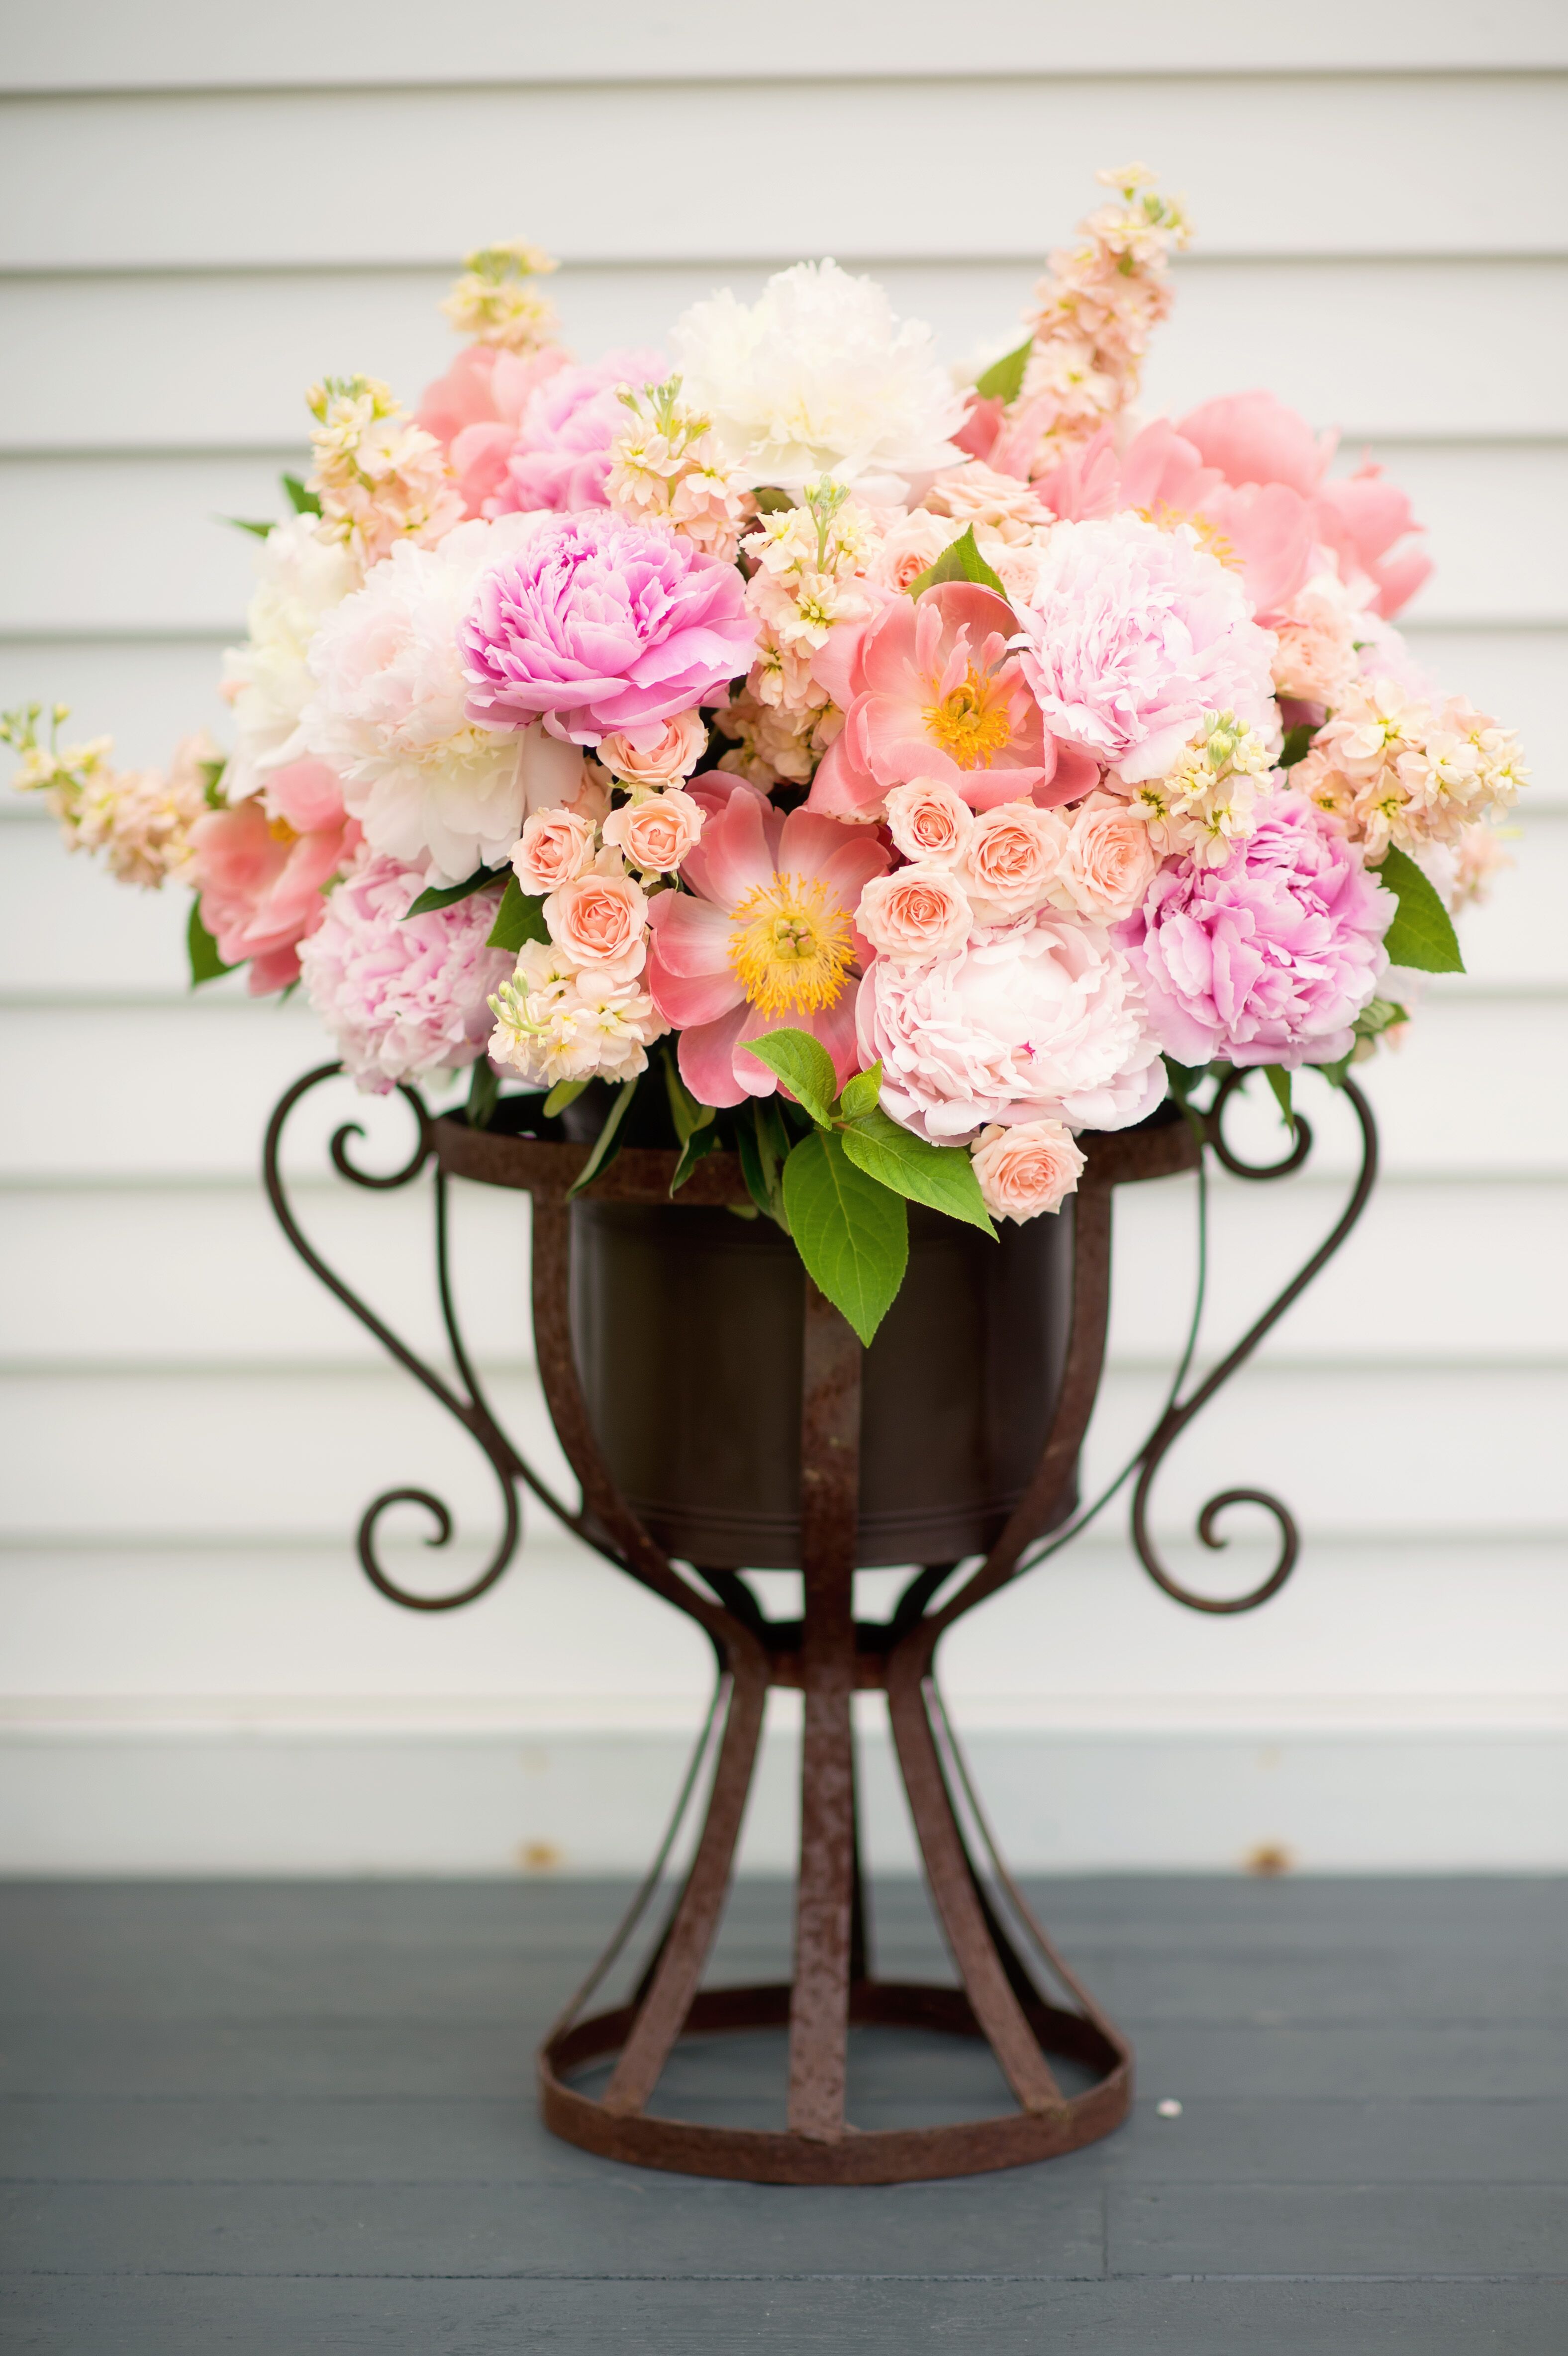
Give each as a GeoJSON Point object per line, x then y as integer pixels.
{"type": "Point", "coordinates": [474, 412]}
{"type": "Point", "coordinates": [765, 940]}
{"type": "Point", "coordinates": [1132, 635]}
{"type": "Point", "coordinates": [1251, 438]}
{"type": "Point", "coordinates": [596, 625]}
{"type": "Point", "coordinates": [1038, 1020]}
{"type": "Point", "coordinates": [260, 866]}
{"type": "Point", "coordinates": [928, 691]}
{"type": "Point", "coordinates": [1365, 521]}
{"type": "Point", "coordinates": [1027, 1170]}
{"type": "Point", "coordinates": [1270, 959]}
{"type": "Point", "coordinates": [560, 457]}
{"type": "Point", "coordinates": [402, 995]}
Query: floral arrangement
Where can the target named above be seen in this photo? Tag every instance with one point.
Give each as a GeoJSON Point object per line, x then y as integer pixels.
{"type": "Point", "coordinates": [892, 772]}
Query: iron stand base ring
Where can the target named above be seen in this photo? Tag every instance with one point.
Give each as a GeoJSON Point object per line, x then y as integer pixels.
{"type": "Point", "coordinates": [875, 2156]}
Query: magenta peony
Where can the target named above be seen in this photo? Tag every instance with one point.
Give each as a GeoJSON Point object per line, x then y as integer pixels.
{"type": "Point", "coordinates": [1132, 634]}
{"type": "Point", "coordinates": [402, 995]}
{"type": "Point", "coordinates": [596, 625]}
{"type": "Point", "coordinates": [1270, 959]}
{"type": "Point", "coordinates": [560, 457]}
{"type": "Point", "coordinates": [1039, 1020]}
{"type": "Point", "coordinates": [259, 867]}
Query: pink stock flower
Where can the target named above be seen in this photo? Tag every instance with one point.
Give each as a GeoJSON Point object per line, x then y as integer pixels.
{"type": "Point", "coordinates": [260, 866]}
{"type": "Point", "coordinates": [476, 411]}
{"type": "Point", "coordinates": [1268, 958]}
{"type": "Point", "coordinates": [560, 457]}
{"type": "Point", "coordinates": [595, 625]}
{"type": "Point", "coordinates": [402, 994]}
{"type": "Point", "coordinates": [1027, 1170]}
{"type": "Point", "coordinates": [765, 940]}
{"type": "Point", "coordinates": [1038, 1020]}
{"type": "Point", "coordinates": [1132, 635]}
{"type": "Point", "coordinates": [928, 690]}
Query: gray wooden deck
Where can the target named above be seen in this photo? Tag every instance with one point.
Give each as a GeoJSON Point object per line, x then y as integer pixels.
{"type": "Point", "coordinates": [291, 2118]}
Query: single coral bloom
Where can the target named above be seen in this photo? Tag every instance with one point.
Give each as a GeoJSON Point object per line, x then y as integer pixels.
{"type": "Point", "coordinates": [765, 940]}
{"type": "Point", "coordinates": [1026, 1169]}
{"type": "Point", "coordinates": [928, 690]}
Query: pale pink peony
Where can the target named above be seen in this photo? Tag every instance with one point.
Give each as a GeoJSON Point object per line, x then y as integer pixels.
{"type": "Point", "coordinates": [1132, 635]}
{"type": "Point", "coordinates": [916, 911]}
{"type": "Point", "coordinates": [1010, 860]}
{"type": "Point", "coordinates": [474, 412]}
{"type": "Point", "coordinates": [1110, 861]}
{"type": "Point", "coordinates": [554, 846]}
{"type": "Point", "coordinates": [259, 867]}
{"type": "Point", "coordinates": [1039, 1020]}
{"type": "Point", "coordinates": [561, 455]}
{"type": "Point", "coordinates": [597, 626]}
{"type": "Point", "coordinates": [1252, 438]}
{"type": "Point", "coordinates": [928, 691]}
{"type": "Point", "coordinates": [655, 833]}
{"type": "Point", "coordinates": [765, 940]}
{"type": "Point", "coordinates": [929, 821]}
{"type": "Point", "coordinates": [600, 918]}
{"type": "Point", "coordinates": [402, 995]}
{"type": "Point", "coordinates": [1268, 958]}
{"type": "Point", "coordinates": [1027, 1170]}
{"type": "Point", "coordinates": [659, 755]}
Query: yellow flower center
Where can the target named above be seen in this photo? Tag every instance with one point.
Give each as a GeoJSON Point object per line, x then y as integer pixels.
{"type": "Point", "coordinates": [281, 831]}
{"type": "Point", "coordinates": [1210, 536]}
{"type": "Point", "coordinates": [790, 945]}
{"type": "Point", "coordinates": [970, 725]}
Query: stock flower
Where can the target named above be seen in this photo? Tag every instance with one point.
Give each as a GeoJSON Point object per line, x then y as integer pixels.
{"type": "Point", "coordinates": [561, 455]}
{"type": "Point", "coordinates": [765, 940]}
{"type": "Point", "coordinates": [555, 1020]}
{"type": "Point", "coordinates": [1026, 1169]}
{"type": "Point", "coordinates": [1392, 768]}
{"type": "Point", "coordinates": [1268, 958]}
{"type": "Point", "coordinates": [597, 626]}
{"type": "Point", "coordinates": [496, 300]}
{"type": "Point", "coordinates": [260, 865]}
{"type": "Point", "coordinates": [402, 995]}
{"type": "Point", "coordinates": [380, 477]}
{"type": "Point", "coordinates": [1132, 634]}
{"type": "Point", "coordinates": [816, 378]}
{"type": "Point", "coordinates": [267, 681]}
{"type": "Point", "coordinates": [1037, 1020]}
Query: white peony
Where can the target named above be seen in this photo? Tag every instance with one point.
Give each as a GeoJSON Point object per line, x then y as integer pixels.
{"type": "Point", "coordinates": [426, 785]}
{"type": "Point", "coordinates": [267, 679]}
{"type": "Point", "coordinates": [819, 378]}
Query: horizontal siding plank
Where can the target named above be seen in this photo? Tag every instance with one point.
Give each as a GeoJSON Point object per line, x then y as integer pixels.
{"type": "Point", "coordinates": [126, 543]}
{"type": "Point", "coordinates": [206, 361]}
{"type": "Point", "coordinates": [1362, 179]}
{"type": "Point", "coordinates": [89, 43]}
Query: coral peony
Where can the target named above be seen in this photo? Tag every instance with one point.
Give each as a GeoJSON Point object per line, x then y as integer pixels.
{"type": "Point", "coordinates": [765, 940]}
{"type": "Point", "coordinates": [560, 457]}
{"type": "Point", "coordinates": [818, 379]}
{"type": "Point", "coordinates": [1027, 1170]}
{"type": "Point", "coordinates": [474, 412]}
{"type": "Point", "coordinates": [267, 681]}
{"type": "Point", "coordinates": [402, 995]}
{"type": "Point", "coordinates": [1268, 958]}
{"type": "Point", "coordinates": [1132, 635]}
{"type": "Point", "coordinates": [928, 691]}
{"type": "Point", "coordinates": [1038, 1020]}
{"type": "Point", "coordinates": [597, 626]}
{"type": "Point", "coordinates": [260, 865]}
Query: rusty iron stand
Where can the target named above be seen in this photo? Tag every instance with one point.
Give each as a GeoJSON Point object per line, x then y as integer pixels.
{"type": "Point", "coordinates": [1006, 1964]}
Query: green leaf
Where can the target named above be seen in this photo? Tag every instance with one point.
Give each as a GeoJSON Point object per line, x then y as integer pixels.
{"type": "Point", "coordinates": [484, 1094]}
{"type": "Point", "coordinates": [805, 1066]}
{"type": "Point", "coordinates": [1278, 1079]}
{"type": "Point", "coordinates": [302, 501]}
{"type": "Point", "coordinates": [257, 531]}
{"type": "Point", "coordinates": [763, 1148]}
{"type": "Point", "coordinates": [941, 1176]}
{"type": "Point", "coordinates": [1423, 933]}
{"type": "Point", "coordinates": [771, 500]}
{"type": "Point", "coordinates": [962, 561]}
{"type": "Point", "coordinates": [1297, 743]}
{"type": "Point", "coordinates": [211, 781]}
{"type": "Point", "coordinates": [697, 1146]}
{"type": "Point", "coordinates": [1003, 380]}
{"type": "Point", "coordinates": [685, 1112]}
{"type": "Point", "coordinates": [446, 896]}
{"type": "Point", "coordinates": [519, 917]}
{"type": "Point", "coordinates": [860, 1093]}
{"type": "Point", "coordinates": [852, 1234]}
{"type": "Point", "coordinates": [206, 964]}
{"type": "Point", "coordinates": [605, 1146]}
{"type": "Point", "coordinates": [564, 1093]}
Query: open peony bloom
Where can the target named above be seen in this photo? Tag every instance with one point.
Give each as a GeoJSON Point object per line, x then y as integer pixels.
{"type": "Point", "coordinates": [1270, 959]}
{"type": "Point", "coordinates": [476, 411]}
{"type": "Point", "coordinates": [928, 690]}
{"type": "Point", "coordinates": [260, 868]}
{"type": "Point", "coordinates": [596, 625]}
{"type": "Point", "coordinates": [765, 940]}
{"type": "Point", "coordinates": [560, 455]}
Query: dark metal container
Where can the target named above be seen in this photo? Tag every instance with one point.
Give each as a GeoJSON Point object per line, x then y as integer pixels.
{"type": "Point", "coordinates": [687, 1328]}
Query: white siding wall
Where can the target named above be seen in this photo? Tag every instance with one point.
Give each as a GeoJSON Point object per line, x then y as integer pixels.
{"type": "Point", "coordinates": [204, 210]}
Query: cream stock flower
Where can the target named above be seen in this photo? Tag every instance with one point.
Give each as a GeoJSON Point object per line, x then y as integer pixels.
{"type": "Point", "coordinates": [916, 911]}
{"type": "Point", "coordinates": [1206, 805]}
{"type": "Point", "coordinates": [655, 831]}
{"type": "Point", "coordinates": [380, 477]}
{"type": "Point", "coordinates": [1026, 1169]}
{"type": "Point", "coordinates": [495, 301]}
{"type": "Point", "coordinates": [557, 1021]}
{"type": "Point", "coordinates": [664, 468]}
{"type": "Point", "coordinates": [139, 818]}
{"type": "Point", "coordinates": [1392, 770]}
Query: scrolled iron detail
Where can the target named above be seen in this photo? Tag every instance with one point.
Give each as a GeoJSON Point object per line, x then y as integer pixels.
{"type": "Point", "coordinates": [1179, 1414]}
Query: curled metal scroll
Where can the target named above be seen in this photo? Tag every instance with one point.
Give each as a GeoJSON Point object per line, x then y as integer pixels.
{"type": "Point", "coordinates": [1180, 1413]}
{"type": "Point", "coordinates": [473, 1412]}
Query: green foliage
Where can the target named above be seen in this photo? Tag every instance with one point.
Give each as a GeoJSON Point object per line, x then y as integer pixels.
{"type": "Point", "coordinates": [771, 500]}
{"type": "Point", "coordinates": [519, 917]}
{"type": "Point", "coordinates": [1003, 380]}
{"type": "Point", "coordinates": [241, 523]}
{"type": "Point", "coordinates": [695, 1124]}
{"type": "Point", "coordinates": [564, 1093]}
{"type": "Point", "coordinates": [850, 1232]}
{"type": "Point", "coordinates": [962, 561]}
{"type": "Point", "coordinates": [484, 1093]}
{"type": "Point", "coordinates": [1278, 1079]}
{"type": "Point", "coordinates": [605, 1147]}
{"type": "Point", "coordinates": [446, 896]}
{"type": "Point", "coordinates": [860, 1093]}
{"type": "Point", "coordinates": [302, 501]}
{"type": "Point", "coordinates": [1297, 743]}
{"type": "Point", "coordinates": [1423, 933]}
{"type": "Point", "coordinates": [206, 964]}
{"type": "Point", "coordinates": [941, 1176]}
{"type": "Point", "coordinates": [805, 1066]}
